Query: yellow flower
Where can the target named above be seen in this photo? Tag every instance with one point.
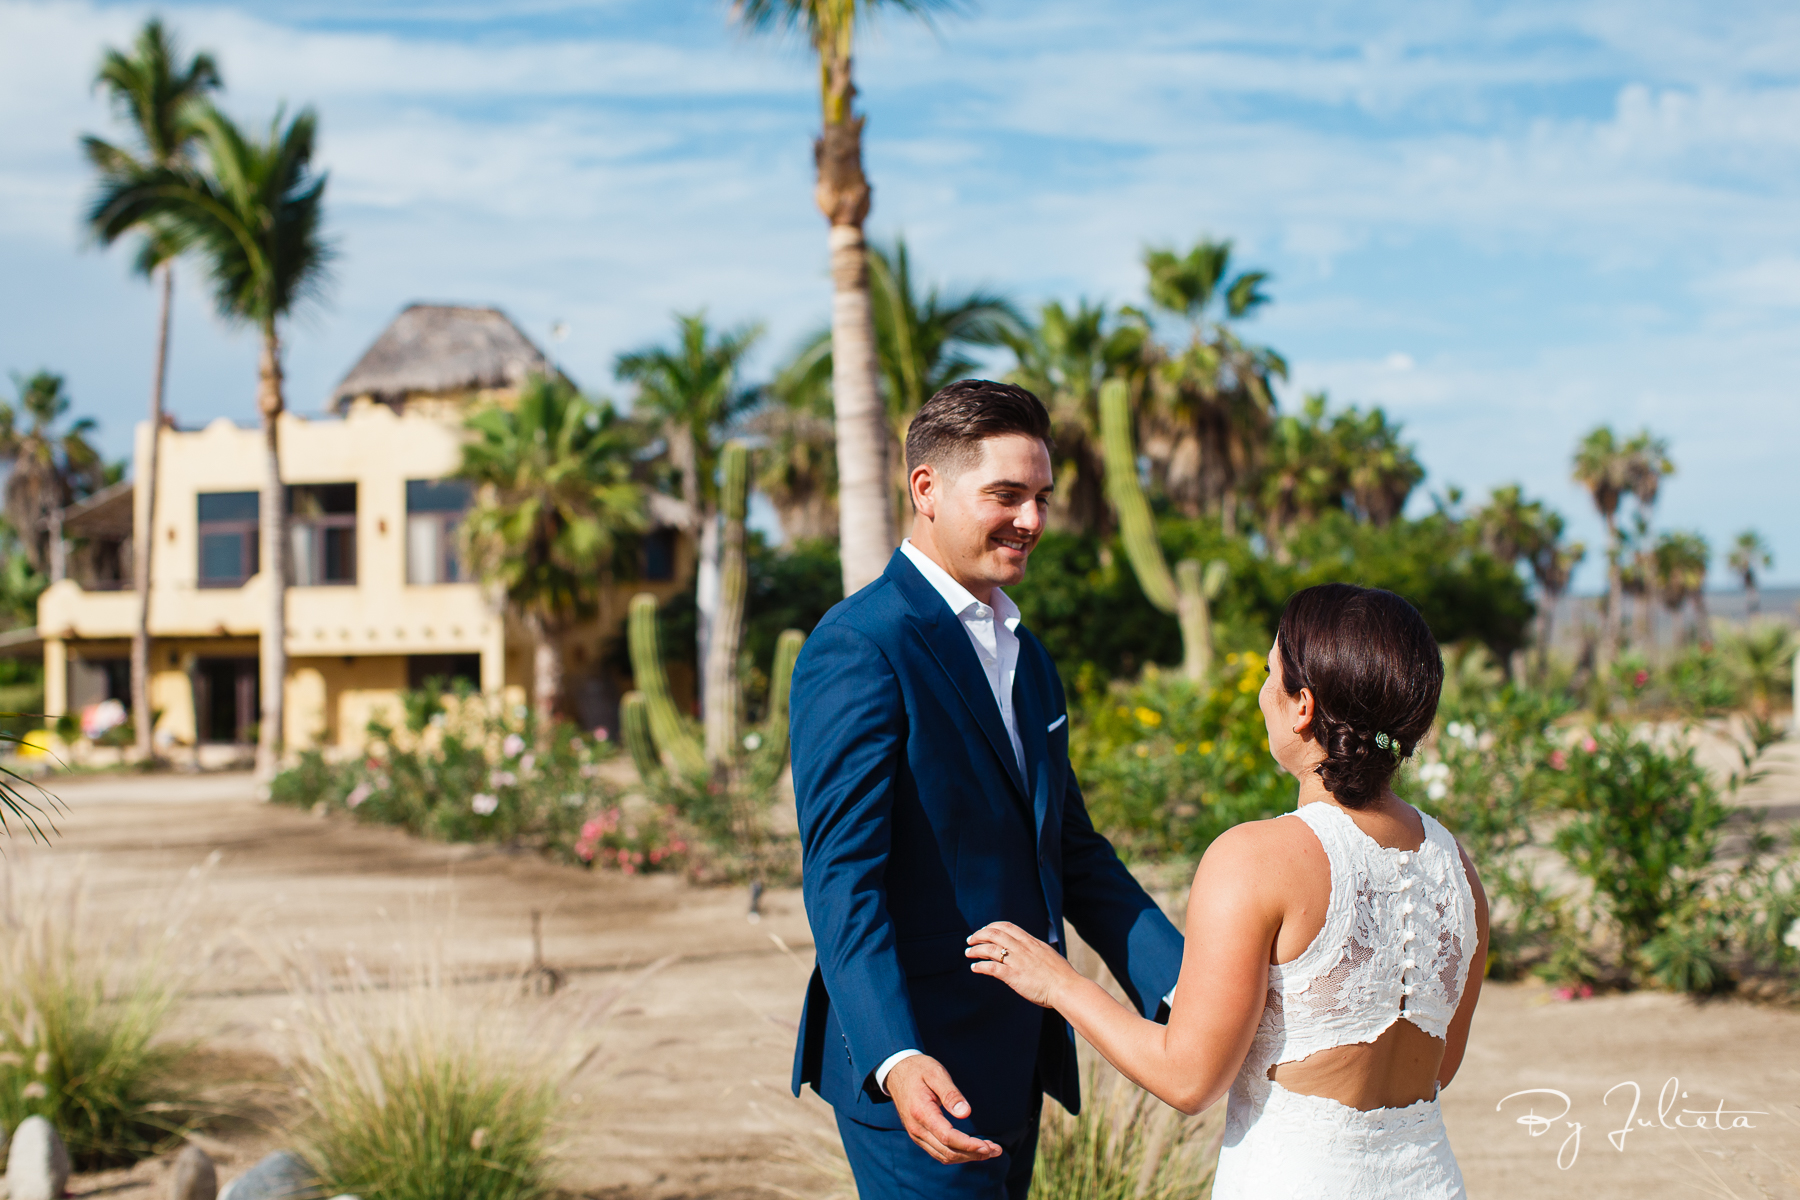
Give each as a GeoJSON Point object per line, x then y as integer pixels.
{"type": "Point", "coordinates": [1231, 659]}
{"type": "Point", "coordinates": [1206, 747]}
{"type": "Point", "coordinates": [1247, 684]}
{"type": "Point", "coordinates": [1148, 716]}
{"type": "Point", "coordinates": [1181, 747]}
{"type": "Point", "coordinates": [1143, 751]}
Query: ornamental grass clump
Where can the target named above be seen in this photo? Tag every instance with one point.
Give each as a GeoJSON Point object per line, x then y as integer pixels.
{"type": "Point", "coordinates": [1125, 1145]}
{"type": "Point", "coordinates": [83, 1018]}
{"type": "Point", "coordinates": [418, 1089]}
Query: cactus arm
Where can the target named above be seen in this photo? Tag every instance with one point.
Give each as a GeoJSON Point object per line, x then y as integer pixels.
{"type": "Point", "coordinates": [781, 678]}
{"type": "Point", "coordinates": [1197, 590]}
{"type": "Point", "coordinates": [667, 726]}
{"type": "Point", "coordinates": [634, 715]}
{"type": "Point", "coordinates": [723, 690]}
{"type": "Point", "coordinates": [1136, 526]}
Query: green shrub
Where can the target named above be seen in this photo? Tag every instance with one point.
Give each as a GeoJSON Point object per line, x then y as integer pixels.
{"type": "Point", "coordinates": [1167, 765]}
{"type": "Point", "coordinates": [1125, 1145]}
{"type": "Point", "coordinates": [468, 770]}
{"type": "Point", "coordinates": [81, 1025]}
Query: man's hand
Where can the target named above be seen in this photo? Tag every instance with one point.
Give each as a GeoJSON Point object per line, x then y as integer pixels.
{"type": "Point", "coordinates": [922, 1091]}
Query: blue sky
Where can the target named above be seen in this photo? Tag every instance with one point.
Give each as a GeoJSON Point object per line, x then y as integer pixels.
{"type": "Point", "coordinates": [1506, 223]}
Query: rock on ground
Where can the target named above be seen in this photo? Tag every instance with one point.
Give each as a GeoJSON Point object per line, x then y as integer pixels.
{"type": "Point", "coordinates": [280, 1176]}
{"type": "Point", "coordinates": [37, 1163]}
{"type": "Point", "coordinates": [195, 1177]}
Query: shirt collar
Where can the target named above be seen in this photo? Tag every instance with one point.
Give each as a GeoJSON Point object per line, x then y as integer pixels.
{"type": "Point", "coordinates": [958, 597]}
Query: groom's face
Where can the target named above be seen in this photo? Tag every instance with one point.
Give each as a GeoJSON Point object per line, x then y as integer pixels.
{"type": "Point", "coordinates": [986, 519]}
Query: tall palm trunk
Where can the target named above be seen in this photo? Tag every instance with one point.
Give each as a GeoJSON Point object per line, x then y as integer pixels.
{"type": "Point", "coordinates": [546, 673]}
{"type": "Point", "coordinates": [1615, 592]}
{"type": "Point", "coordinates": [865, 520]}
{"type": "Point", "coordinates": [1546, 628]}
{"type": "Point", "coordinates": [142, 546]}
{"type": "Point", "coordinates": [273, 530]}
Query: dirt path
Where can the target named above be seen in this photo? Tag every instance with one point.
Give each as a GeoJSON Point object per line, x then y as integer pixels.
{"type": "Point", "coordinates": [692, 1100]}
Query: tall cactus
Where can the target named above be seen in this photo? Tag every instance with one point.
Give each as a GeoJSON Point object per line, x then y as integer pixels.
{"type": "Point", "coordinates": [722, 692]}
{"type": "Point", "coordinates": [671, 731]}
{"type": "Point", "coordinates": [1188, 592]}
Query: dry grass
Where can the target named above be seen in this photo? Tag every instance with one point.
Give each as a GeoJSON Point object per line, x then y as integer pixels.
{"type": "Point", "coordinates": [1125, 1145]}
{"type": "Point", "coordinates": [83, 1009]}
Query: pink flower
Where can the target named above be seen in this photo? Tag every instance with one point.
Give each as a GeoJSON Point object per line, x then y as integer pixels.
{"type": "Point", "coordinates": [1641, 678]}
{"type": "Point", "coordinates": [484, 804]}
{"type": "Point", "coordinates": [600, 734]}
{"type": "Point", "coordinates": [656, 855]}
{"type": "Point", "coordinates": [678, 846]}
{"type": "Point", "coordinates": [358, 794]}
{"type": "Point", "coordinates": [513, 746]}
{"type": "Point", "coordinates": [1589, 745]}
{"type": "Point", "coordinates": [1563, 993]}
{"type": "Point", "coordinates": [627, 868]}
{"type": "Point", "coordinates": [584, 850]}
{"type": "Point", "coordinates": [1558, 759]}
{"type": "Point", "coordinates": [591, 831]}
{"type": "Point", "coordinates": [1587, 992]}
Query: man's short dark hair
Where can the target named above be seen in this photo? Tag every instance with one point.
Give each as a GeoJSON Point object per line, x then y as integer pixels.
{"type": "Point", "coordinates": [950, 427]}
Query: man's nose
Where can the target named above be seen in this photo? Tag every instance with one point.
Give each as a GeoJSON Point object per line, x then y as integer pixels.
{"type": "Point", "coordinates": [1028, 518]}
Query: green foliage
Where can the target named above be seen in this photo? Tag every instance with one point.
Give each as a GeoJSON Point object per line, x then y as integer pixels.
{"type": "Point", "coordinates": [1492, 769]}
{"type": "Point", "coordinates": [467, 770]}
{"type": "Point", "coordinates": [1167, 765]}
{"type": "Point", "coordinates": [1125, 1145]}
{"type": "Point", "coordinates": [83, 1032]}
{"type": "Point", "coordinates": [556, 500]}
{"type": "Point", "coordinates": [1644, 831]}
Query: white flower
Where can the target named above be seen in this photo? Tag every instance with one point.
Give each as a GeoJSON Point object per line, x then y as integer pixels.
{"type": "Point", "coordinates": [513, 746]}
{"type": "Point", "coordinates": [528, 762]}
{"type": "Point", "coordinates": [753, 741]}
{"type": "Point", "coordinates": [1792, 936]}
{"type": "Point", "coordinates": [484, 804]}
{"type": "Point", "coordinates": [1435, 771]}
{"type": "Point", "coordinates": [358, 794]}
{"type": "Point", "coordinates": [502, 779]}
{"type": "Point", "coordinates": [1437, 789]}
{"type": "Point", "coordinates": [1454, 729]}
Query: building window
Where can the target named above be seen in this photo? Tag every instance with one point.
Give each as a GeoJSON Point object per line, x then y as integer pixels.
{"type": "Point", "coordinates": [659, 555]}
{"type": "Point", "coordinates": [442, 671]}
{"type": "Point", "coordinates": [322, 533]}
{"type": "Point", "coordinates": [434, 512]}
{"type": "Point", "coordinates": [228, 544]}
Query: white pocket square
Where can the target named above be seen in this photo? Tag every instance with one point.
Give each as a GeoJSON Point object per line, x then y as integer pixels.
{"type": "Point", "coordinates": [1051, 728]}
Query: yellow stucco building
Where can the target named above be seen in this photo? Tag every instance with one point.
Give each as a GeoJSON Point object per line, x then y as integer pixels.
{"type": "Point", "coordinates": [379, 600]}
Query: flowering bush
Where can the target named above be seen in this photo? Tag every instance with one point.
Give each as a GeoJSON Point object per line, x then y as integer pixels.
{"type": "Point", "coordinates": [1167, 765]}
{"type": "Point", "coordinates": [471, 771]}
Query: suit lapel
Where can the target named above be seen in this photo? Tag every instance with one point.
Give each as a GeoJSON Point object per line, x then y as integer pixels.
{"type": "Point", "coordinates": [944, 635]}
{"type": "Point", "coordinates": [1029, 690]}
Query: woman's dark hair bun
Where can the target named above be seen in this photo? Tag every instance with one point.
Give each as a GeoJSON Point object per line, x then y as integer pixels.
{"type": "Point", "coordinates": [1375, 673]}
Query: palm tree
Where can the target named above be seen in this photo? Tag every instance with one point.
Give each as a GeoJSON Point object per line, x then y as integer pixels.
{"type": "Point", "coordinates": [254, 217]}
{"type": "Point", "coordinates": [842, 193]}
{"type": "Point", "coordinates": [48, 469]}
{"type": "Point", "coordinates": [922, 343]}
{"type": "Point", "coordinates": [1511, 528]}
{"type": "Point", "coordinates": [554, 504]}
{"type": "Point", "coordinates": [798, 469]}
{"type": "Point", "coordinates": [157, 96]}
{"type": "Point", "coordinates": [1749, 556]}
{"type": "Point", "coordinates": [1218, 388]}
{"type": "Point", "coordinates": [1680, 562]}
{"type": "Point", "coordinates": [1064, 359]}
{"type": "Point", "coordinates": [1611, 469]}
{"type": "Point", "coordinates": [691, 392]}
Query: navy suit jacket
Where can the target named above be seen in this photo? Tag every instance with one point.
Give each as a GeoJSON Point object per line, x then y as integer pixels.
{"type": "Point", "coordinates": [917, 828]}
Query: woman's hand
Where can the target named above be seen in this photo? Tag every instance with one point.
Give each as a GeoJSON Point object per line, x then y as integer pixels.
{"type": "Point", "coordinates": [1023, 963]}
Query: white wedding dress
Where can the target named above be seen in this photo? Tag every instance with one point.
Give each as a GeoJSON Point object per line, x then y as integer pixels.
{"type": "Point", "coordinates": [1395, 945]}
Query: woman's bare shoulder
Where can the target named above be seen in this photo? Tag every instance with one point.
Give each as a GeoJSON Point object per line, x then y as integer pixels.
{"type": "Point", "coordinates": [1257, 846]}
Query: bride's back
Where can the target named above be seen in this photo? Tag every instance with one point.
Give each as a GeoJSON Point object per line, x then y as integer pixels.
{"type": "Point", "coordinates": [1371, 959]}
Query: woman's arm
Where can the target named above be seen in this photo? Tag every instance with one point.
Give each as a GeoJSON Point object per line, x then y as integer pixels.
{"type": "Point", "coordinates": [1456, 1038]}
{"type": "Point", "coordinates": [1234, 913]}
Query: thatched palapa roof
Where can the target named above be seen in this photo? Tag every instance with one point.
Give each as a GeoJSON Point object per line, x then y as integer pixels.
{"type": "Point", "coordinates": [442, 348]}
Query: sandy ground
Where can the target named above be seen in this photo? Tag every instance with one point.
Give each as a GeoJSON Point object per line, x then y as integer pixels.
{"type": "Point", "coordinates": [689, 1095]}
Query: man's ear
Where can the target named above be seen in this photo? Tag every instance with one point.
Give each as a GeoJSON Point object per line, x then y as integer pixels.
{"type": "Point", "coordinates": [923, 482]}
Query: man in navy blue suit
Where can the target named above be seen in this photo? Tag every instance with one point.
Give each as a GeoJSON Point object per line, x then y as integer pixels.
{"type": "Point", "coordinates": [931, 768]}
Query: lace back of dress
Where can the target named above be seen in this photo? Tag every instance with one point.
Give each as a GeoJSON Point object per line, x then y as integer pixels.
{"type": "Point", "coordinates": [1392, 945]}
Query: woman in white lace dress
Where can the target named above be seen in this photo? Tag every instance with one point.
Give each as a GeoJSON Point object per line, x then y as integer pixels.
{"type": "Point", "coordinates": [1334, 954]}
